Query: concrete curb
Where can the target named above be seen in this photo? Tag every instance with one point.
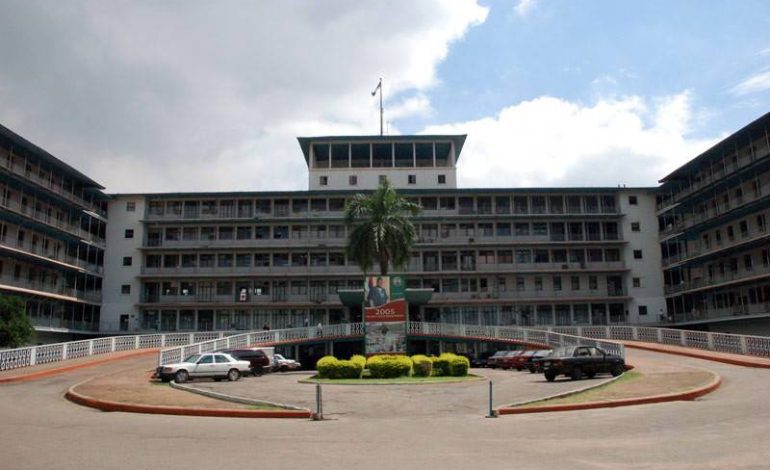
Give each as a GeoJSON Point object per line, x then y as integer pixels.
{"type": "Point", "coordinates": [678, 396]}
{"type": "Point", "coordinates": [232, 398]}
{"type": "Point", "coordinates": [106, 405]}
{"type": "Point", "coordinates": [60, 370]}
{"type": "Point", "coordinates": [700, 355]}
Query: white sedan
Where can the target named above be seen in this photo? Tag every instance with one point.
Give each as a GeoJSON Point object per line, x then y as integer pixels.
{"type": "Point", "coordinates": [215, 365]}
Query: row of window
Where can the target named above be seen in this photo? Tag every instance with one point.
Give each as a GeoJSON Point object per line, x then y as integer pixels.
{"type": "Point", "coordinates": [481, 204]}
{"type": "Point", "coordinates": [427, 232]}
{"type": "Point", "coordinates": [431, 260]}
{"type": "Point", "coordinates": [323, 180]}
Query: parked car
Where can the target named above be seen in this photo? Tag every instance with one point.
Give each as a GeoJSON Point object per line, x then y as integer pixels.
{"type": "Point", "coordinates": [282, 364]}
{"type": "Point", "coordinates": [259, 359]}
{"type": "Point", "coordinates": [519, 361]}
{"type": "Point", "coordinates": [215, 365]}
{"type": "Point", "coordinates": [577, 361]}
{"type": "Point", "coordinates": [533, 363]}
{"type": "Point", "coordinates": [499, 359]}
{"type": "Point", "coordinates": [481, 359]}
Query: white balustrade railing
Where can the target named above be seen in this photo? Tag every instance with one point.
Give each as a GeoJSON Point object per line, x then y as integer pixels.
{"type": "Point", "coordinates": [511, 333]}
{"type": "Point", "coordinates": [30, 356]}
{"type": "Point", "coordinates": [176, 346]}
{"type": "Point", "coordinates": [720, 342]}
{"type": "Point", "coordinates": [262, 338]}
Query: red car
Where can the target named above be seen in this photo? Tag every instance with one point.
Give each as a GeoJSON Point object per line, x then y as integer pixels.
{"type": "Point", "coordinates": [500, 359]}
{"type": "Point", "coordinates": [519, 362]}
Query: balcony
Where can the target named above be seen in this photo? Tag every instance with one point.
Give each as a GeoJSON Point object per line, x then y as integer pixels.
{"type": "Point", "coordinates": [308, 242]}
{"type": "Point", "coordinates": [58, 290]}
{"type": "Point", "coordinates": [245, 216]}
{"type": "Point", "coordinates": [743, 275]}
{"type": "Point", "coordinates": [37, 251]}
{"type": "Point", "coordinates": [237, 300]}
{"type": "Point", "coordinates": [51, 186]}
{"type": "Point", "coordinates": [690, 220]}
{"type": "Point", "coordinates": [250, 271]}
{"type": "Point", "coordinates": [530, 295]}
{"type": "Point", "coordinates": [42, 217]}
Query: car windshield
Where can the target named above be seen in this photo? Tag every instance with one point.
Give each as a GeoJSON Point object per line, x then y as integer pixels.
{"type": "Point", "coordinates": [194, 358]}
{"type": "Point", "coordinates": [561, 352]}
{"type": "Point", "coordinates": [278, 357]}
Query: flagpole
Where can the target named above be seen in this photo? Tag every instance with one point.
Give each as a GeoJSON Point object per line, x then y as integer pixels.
{"type": "Point", "coordinates": [380, 105]}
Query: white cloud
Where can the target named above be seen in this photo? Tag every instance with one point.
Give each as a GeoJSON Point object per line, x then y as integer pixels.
{"type": "Point", "coordinates": [552, 142]}
{"type": "Point", "coordinates": [153, 96]}
{"type": "Point", "coordinates": [754, 84]}
{"type": "Point", "coordinates": [524, 7]}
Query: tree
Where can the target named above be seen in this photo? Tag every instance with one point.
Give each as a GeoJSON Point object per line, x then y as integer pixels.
{"type": "Point", "coordinates": [380, 231]}
{"type": "Point", "coordinates": [15, 328]}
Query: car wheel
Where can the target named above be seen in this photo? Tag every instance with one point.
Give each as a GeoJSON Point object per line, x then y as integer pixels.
{"type": "Point", "coordinates": [617, 370]}
{"type": "Point", "coordinates": [591, 374]}
{"type": "Point", "coordinates": [284, 369]}
{"type": "Point", "coordinates": [577, 373]}
{"type": "Point", "coordinates": [181, 376]}
{"type": "Point", "coordinates": [233, 375]}
{"type": "Point", "coordinates": [532, 370]}
{"type": "Point", "coordinates": [550, 376]}
{"type": "Point", "coordinates": [256, 371]}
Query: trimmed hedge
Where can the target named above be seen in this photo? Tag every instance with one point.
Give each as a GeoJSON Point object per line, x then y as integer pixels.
{"type": "Point", "coordinates": [423, 365]}
{"type": "Point", "coordinates": [449, 364]}
{"type": "Point", "coordinates": [359, 359]}
{"type": "Point", "coordinates": [388, 367]}
{"type": "Point", "coordinates": [329, 367]}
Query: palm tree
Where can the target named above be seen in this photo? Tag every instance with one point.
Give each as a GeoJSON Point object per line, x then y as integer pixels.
{"type": "Point", "coordinates": [379, 229]}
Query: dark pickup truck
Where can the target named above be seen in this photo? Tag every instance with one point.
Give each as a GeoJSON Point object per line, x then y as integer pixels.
{"type": "Point", "coordinates": [577, 361]}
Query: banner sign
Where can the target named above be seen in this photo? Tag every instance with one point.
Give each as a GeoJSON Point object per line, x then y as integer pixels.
{"type": "Point", "coordinates": [385, 315]}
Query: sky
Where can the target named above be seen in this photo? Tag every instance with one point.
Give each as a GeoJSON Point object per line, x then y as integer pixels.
{"type": "Point", "coordinates": [194, 95]}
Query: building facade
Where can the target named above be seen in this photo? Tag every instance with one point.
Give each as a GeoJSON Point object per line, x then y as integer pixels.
{"type": "Point", "coordinates": [545, 256]}
{"type": "Point", "coordinates": [52, 237]}
{"type": "Point", "coordinates": [693, 252]}
{"type": "Point", "coordinates": [712, 216]}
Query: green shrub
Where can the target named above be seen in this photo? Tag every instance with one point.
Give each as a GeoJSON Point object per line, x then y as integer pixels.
{"type": "Point", "coordinates": [359, 359]}
{"type": "Point", "coordinates": [388, 366]}
{"type": "Point", "coordinates": [441, 364]}
{"type": "Point", "coordinates": [458, 366]}
{"type": "Point", "coordinates": [449, 364]}
{"type": "Point", "coordinates": [423, 365]}
{"type": "Point", "coordinates": [329, 367]}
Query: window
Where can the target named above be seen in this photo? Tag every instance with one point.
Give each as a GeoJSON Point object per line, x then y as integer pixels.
{"type": "Point", "coordinates": [129, 233]}
{"type": "Point", "coordinates": [637, 282]}
{"type": "Point", "coordinates": [125, 289]}
{"type": "Point", "coordinates": [635, 226]}
{"type": "Point", "coordinates": [642, 310]}
{"type": "Point", "coordinates": [383, 179]}
{"type": "Point", "coordinates": [352, 180]}
{"type": "Point", "coordinates": [441, 179]}
{"type": "Point", "coordinates": [323, 180]}
{"type": "Point", "coordinates": [127, 261]}
{"type": "Point", "coordinates": [575, 281]}
{"type": "Point", "coordinates": [637, 254]}
{"type": "Point", "coordinates": [130, 206]}
{"type": "Point", "coordinates": [632, 200]}
{"type": "Point", "coordinates": [412, 179]}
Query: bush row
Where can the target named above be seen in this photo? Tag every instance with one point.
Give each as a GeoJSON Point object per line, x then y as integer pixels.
{"type": "Point", "coordinates": [390, 366]}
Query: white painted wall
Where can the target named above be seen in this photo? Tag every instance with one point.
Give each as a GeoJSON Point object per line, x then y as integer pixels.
{"type": "Point", "coordinates": [647, 269]}
{"type": "Point", "coordinates": [116, 275]}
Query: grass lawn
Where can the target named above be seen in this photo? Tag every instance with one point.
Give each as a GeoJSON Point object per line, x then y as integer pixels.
{"type": "Point", "coordinates": [396, 381]}
{"type": "Point", "coordinates": [595, 394]}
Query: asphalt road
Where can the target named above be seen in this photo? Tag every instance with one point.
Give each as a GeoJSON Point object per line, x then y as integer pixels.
{"type": "Point", "coordinates": [726, 429]}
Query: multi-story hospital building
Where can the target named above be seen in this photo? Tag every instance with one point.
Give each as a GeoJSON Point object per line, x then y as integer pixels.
{"type": "Point", "coordinates": [690, 252]}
